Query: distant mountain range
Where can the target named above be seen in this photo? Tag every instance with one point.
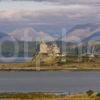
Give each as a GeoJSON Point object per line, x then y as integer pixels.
{"type": "Point", "coordinates": [3, 35]}
{"type": "Point", "coordinates": [76, 34]}
{"type": "Point", "coordinates": [80, 32]}
{"type": "Point", "coordinates": [29, 34]}
{"type": "Point", "coordinates": [93, 37]}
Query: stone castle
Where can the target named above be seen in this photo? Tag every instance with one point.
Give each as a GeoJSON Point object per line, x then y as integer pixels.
{"type": "Point", "coordinates": [51, 50]}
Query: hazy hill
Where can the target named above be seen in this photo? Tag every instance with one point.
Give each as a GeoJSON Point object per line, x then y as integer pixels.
{"type": "Point", "coordinates": [80, 32]}
{"type": "Point", "coordinates": [29, 34]}
{"type": "Point", "coordinates": [93, 37]}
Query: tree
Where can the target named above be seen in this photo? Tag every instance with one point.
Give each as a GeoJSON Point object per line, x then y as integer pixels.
{"type": "Point", "coordinates": [90, 92]}
{"type": "Point", "coordinates": [98, 94]}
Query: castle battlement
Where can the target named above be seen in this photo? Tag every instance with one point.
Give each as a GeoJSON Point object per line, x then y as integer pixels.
{"type": "Point", "coordinates": [49, 49]}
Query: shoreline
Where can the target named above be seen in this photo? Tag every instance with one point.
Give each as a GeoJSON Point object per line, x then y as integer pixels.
{"type": "Point", "coordinates": [66, 67]}
{"type": "Point", "coordinates": [47, 96]}
{"type": "Point", "coordinates": [45, 70]}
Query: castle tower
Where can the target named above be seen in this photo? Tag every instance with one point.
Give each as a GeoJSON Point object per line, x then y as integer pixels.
{"type": "Point", "coordinates": [43, 48]}
{"type": "Point", "coordinates": [56, 50]}
{"type": "Point", "coordinates": [52, 50]}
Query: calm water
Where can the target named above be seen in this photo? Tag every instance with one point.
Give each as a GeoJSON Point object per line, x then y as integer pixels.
{"type": "Point", "coordinates": [49, 81]}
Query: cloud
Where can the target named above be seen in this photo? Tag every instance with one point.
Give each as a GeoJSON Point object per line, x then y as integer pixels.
{"type": "Point", "coordinates": [69, 9]}
{"type": "Point", "coordinates": [71, 1]}
{"type": "Point", "coordinates": [60, 12]}
{"type": "Point", "coordinates": [14, 15]}
{"type": "Point", "coordinates": [48, 16]}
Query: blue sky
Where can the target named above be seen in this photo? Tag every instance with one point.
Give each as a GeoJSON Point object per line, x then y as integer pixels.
{"type": "Point", "coordinates": [49, 16]}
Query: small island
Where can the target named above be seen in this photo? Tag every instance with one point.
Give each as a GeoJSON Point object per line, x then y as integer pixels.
{"type": "Point", "coordinates": [50, 57]}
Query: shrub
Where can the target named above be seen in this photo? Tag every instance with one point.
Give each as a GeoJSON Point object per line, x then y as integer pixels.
{"type": "Point", "coordinates": [98, 95]}
{"type": "Point", "coordinates": [90, 92]}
